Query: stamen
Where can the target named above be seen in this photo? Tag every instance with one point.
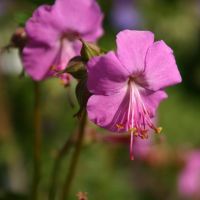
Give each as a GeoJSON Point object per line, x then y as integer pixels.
{"type": "Point", "coordinates": [136, 134]}
{"type": "Point", "coordinates": [137, 120]}
{"type": "Point", "coordinates": [142, 137]}
{"type": "Point", "coordinates": [132, 130]}
{"type": "Point", "coordinates": [159, 130]}
{"type": "Point", "coordinates": [120, 126]}
{"type": "Point", "coordinates": [53, 68]}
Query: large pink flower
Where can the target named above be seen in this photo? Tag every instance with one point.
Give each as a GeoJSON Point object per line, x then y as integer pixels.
{"type": "Point", "coordinates": [127, 85]}
{"type": "Point", "coordinates": [53, 33]}
{"type": "Point", "coordinates": [189, 178]}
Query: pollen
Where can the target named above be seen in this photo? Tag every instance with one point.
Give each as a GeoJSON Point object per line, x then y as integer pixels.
{"type": "Point", "coordinates": [142, 137]}
{"type": "Point", "coordinates": [158, 130]}
{"type": "Point", "coordinates": [132, 130]}
{"type": "Point", "coordinates": [53, 68]}
{"type": "Point", "coordinates": [120, 126]}
{"type": "Point", "coordinates": [135, 134]}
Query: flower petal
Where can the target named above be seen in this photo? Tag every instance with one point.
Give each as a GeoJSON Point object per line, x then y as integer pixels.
{"type": "Point", "coordinates": [132, 47]}
{"type": "Point", "coordinates": [37, 59]}
{"type": "Point", "coordinates": [68, 49]}
{"type": "Point", "coordinates": [43, 26]}
{"type": "Point", "coordinates": [106, 75]}
{"type": "Point", "coordinates": [142, 147]}
{"type": "Point", "coordinates": [152, 100]}
{"type": "Point", "coordinates": [161, 69]}
{"type": "Point", "coordinates": [83, 17]}
{"type": "Point", "coordinates": [108, 111]}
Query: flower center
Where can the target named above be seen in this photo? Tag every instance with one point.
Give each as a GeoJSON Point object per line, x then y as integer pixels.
{"type": "Point", "coordinates": [138, 118]}
{"type": "Point", "coordinates": [70, 36]}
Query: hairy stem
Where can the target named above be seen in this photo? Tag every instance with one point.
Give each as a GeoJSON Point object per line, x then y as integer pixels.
{"type": "Point", "coordinates": [37, 141]}
{"type": "Point", "coordinates": [56, 168]}
{"type": "Point", "coordinates": [75, 157]}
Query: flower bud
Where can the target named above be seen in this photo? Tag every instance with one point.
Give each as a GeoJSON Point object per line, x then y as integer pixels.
{"type": "Point", "coordinates": [82, 95]}
{"type": "Point", "coordinates": [19, 38]}
{"type": "Point", "coordinates": [89, 50]}
{"type": "Point", "coordinates": [76, 68]}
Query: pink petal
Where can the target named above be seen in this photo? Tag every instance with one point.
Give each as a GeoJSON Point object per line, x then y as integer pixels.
{"type": "Point", "coordinates": [152, 100]}
{"type": "Point", "coordinates": [189, 178]}
{"type": "Point", "coordinates": [161, 69]}
{"type": "Point", "coordinates": [106, 75]}
{"type": "Point", "coordinates": [68, 49]}
{"type": "Point", "coordinates": [142, 146]}
{"type": "Point", "coordinates": [132, 47]}
{"type": "Point", "coordinates": [83, 17]}
{"type": "Point", "coordinates": [188, 182]}
{"type": "Point", "coordinates": [43, 26]}
{"type": "Point", "coordinates": [107, 111]}
{"type": "Point", "coordinates": [39, 58]}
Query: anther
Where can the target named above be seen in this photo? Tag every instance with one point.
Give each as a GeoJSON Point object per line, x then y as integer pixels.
{"type": "Point", "coordinates": [158, 130]}
{"type": "Point", "coordinates": [120, 126]}
{"type": "Point", "coordinates": [135, 134]}
{"type": "Point", "coordinates": [142, 137]}
{"type": "Point", "coordinates": [146, 136]}
{"type": "Point", "coordinates": [132, 130]}
{"type": "Point", "coordinates": [53, 68]}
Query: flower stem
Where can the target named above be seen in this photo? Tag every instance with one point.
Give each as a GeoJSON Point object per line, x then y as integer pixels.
{"type": "Point", "coordinates": [75, 157]}
{"type": "Point", "coordinates": [37, 141]}
{"type": "Point", "coordinates": [56, 168]}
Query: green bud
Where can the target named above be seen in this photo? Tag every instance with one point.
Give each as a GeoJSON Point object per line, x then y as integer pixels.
{"type": "Point", "coordinates": [89, 50]}
{"type": "Point", "coordinates": [19, 38]}
{"type": "Point", "coordinates": [76, 68]}
{"type": "Point", "coordinates": [82, 95]}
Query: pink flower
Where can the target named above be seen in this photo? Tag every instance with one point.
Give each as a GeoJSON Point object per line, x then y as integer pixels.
{"type": "Point", "coordinates": [53, 33]}
{"type": "Point", "coordinates": [189, 178]}
{"type": "Point", "coordinates": [127, 85]}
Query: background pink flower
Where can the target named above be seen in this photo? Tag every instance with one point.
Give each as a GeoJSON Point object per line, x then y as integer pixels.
{"type": "Point", "coordinates": [189, 178]}
{"type": "Point", "coordinates": [53, 33]}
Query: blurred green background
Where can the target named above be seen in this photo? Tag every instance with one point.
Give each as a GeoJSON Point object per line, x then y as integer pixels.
{"type": "Point", "coordinates": [104, 171]}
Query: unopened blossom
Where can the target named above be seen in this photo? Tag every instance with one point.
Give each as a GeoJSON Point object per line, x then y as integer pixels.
{"type": "Point", "coordinates": [54, 32]}
{"type": "Point", "coordinates": [127, 85]}
{"type": "Point", "coordinates": [189, 178]}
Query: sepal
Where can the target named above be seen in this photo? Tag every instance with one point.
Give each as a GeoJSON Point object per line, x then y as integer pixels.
{"type": "Point", "coordinates": [90, 50]}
